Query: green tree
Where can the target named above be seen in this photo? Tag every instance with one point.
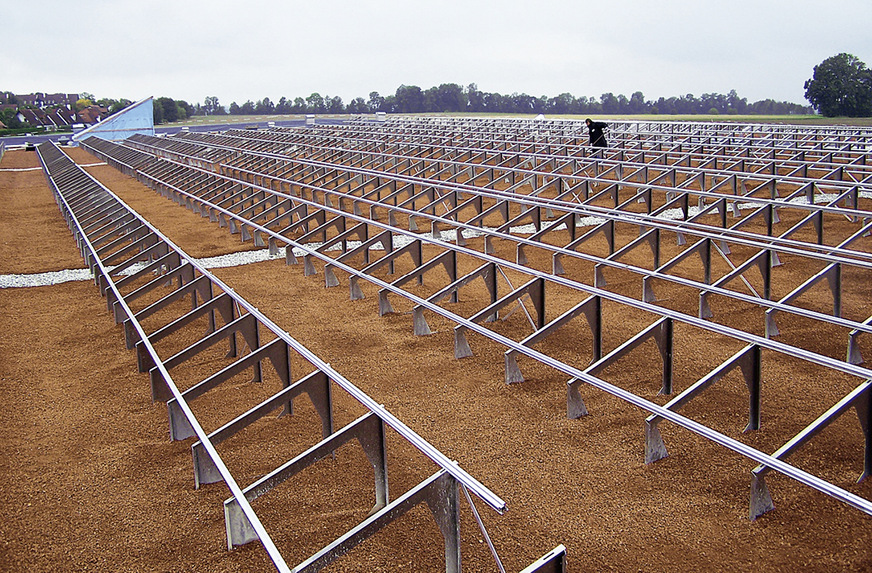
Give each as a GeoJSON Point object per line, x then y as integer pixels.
{"type": "Point", "coordinates": [334, 104]}
{"type": "Point", "coordinates": [186, 110]}
{"type": "Point", "coordinates": [735, 103]}
{"type": "Point", "coordinates": [563, 103]}
{"type": "Point", "coordinates": [475, 98]}
{"type": "Point", "coordinates": [211, 105]}
{"type": "Point", "coordinates": [119, 105]}
{"type": "Point", "coordinates": [315, 103]}
{"type": "Point", "coordinates": [284, 106]}
{"type": "Point", "coordinates": [637, 103]}
{"type": "Point", "coordinates": [375, 102]}
{"type": "Point", "coordinates": [169, 108]}
{"type": "Point", "coordinates": [841, 86]}
{"type": "Point", "coordinates": [428, 97]}
{"type": "Point", "coordinates": [357, 105]}
{"type": "Point", "coordinates": [450, 97]}
{"type": "Point", "coordinates": [609, 103]}
{"type": "Point", "coordinates": [409, 99]}
{"type": "Point", "coordinates": [9, 117]}
{"type": "Point", "coordinates": [158, 112]}
{"type": "Point", "coordinates": [114, 106]}
{"type": "Point", "coordinates": [264, 107]}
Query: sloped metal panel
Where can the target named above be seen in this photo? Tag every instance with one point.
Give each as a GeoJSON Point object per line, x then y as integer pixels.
{"type": "Point", "coordinates": [136, 118]}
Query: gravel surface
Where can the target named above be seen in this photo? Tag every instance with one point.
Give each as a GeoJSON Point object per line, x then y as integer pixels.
{"type": "Point", "coordinates": [90, 480]}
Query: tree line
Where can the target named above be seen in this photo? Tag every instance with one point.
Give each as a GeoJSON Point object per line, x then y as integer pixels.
{"type": "Point", "coordinates": [452, 98]}
{"type": "Point", "coordinates": [840, 86]}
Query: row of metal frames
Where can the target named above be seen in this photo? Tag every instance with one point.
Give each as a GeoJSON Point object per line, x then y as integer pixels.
{"type": "Point", "coordinates": [364, 185]}
{"type": "Point", "coordinates": [176, 314]}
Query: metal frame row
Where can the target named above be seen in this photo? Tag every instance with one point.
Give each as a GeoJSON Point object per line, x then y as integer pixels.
{"type": "Point", "coordinates": [547, 215]}
{"type": "Point", "coordinates": [811, 137]}
{"type": "Point", "coordinates": [136, 266]}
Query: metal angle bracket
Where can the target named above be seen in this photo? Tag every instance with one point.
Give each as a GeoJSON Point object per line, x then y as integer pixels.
{"type": "Point", "coordinates": [439, 492]}
{"type": "Point", "coordinates": [592, 310]}
{"type": "Point", "coordinates": [368, 430]}
{"type": "Point", "coordinates": [748, 359]}
{"type": "Point", "coordinates": [660, 331]}
{"type": "Point", "coordinates": [861, 399]}
{"type": "Point", "coordinates": [316, 385]}
{"type": "Point", "coordinates": [276, 351]}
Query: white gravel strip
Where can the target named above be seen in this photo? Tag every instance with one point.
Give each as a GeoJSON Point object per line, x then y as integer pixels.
{"type": "Point", "coordinates": [40, 168]}
{"type": "Point", "coordinates": [44, 279]}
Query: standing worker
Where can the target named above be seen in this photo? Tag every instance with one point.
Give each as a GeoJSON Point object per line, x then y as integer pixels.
{"type": "Point", "coordinates": [595, 130]}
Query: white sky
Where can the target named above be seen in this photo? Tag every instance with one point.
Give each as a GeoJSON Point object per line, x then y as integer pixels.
{"type": "Point", "coordinates": [248, 50]}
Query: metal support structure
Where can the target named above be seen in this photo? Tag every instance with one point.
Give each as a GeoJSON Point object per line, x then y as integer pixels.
{"type": "Point", "coordinates": [51, 157]}
{"type": "Point", "coordinates": [748, 360]}
{"type": "Point", "coordinates": [738, 237]}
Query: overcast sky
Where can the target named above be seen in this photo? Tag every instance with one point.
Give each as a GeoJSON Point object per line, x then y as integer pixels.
{"type": "Point", "coordinates": [248, 50]}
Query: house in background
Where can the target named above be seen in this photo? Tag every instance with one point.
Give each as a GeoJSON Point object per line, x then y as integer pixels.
{"type": "Point", "coordinates": [43, 101]}
{"type": "Point", "coordinates": [92, 114]}
{"type": "Point", "coordinates": [52, 111]}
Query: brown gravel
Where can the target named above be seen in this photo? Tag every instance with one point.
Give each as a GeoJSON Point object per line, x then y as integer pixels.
{"type": "Point", "coordinates": [90, 480]}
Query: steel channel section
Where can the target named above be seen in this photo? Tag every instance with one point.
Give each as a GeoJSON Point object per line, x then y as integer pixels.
{"type": "Point", "coordinates": [436, 456]}
{"type": "Point", "coordinates": [701, 134]}
{"type": "Point", "coordinates": [860, 398]}
{"type": "Point", "coordinates": [607, 213]}
{"type": "Point", "coordinates": [709, 289]}
{"type": "Point", "coordinates": [671, 278]}
{"type": "Point", "coordinates": [591, 210]}
{"type": "Point", "coordinates": [531, 157]}
{"type": "Point", "coordinates": [490, 136]}
{"type": "Point", "coordinates": [762, 179]}
{"type": "Point", "coordinates": [552, 562]}
{"type": "Point", "coordinates": [606, 294]}
{"type": "Point", "coordinates": [734, 445]}
{"type": "Point", "coordinates": [662, 128]}
{"type": "Point", "coordinates": [449, 467]}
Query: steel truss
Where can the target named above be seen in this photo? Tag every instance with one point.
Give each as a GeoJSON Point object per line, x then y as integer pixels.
{"type": "Point", "coordinates": [143, 275]}
{"type": "Point", "coordinates": [305, 200]}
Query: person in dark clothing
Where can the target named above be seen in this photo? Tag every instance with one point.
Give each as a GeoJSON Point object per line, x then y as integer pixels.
{"type": "Point", "coordinates": [595, 130]}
